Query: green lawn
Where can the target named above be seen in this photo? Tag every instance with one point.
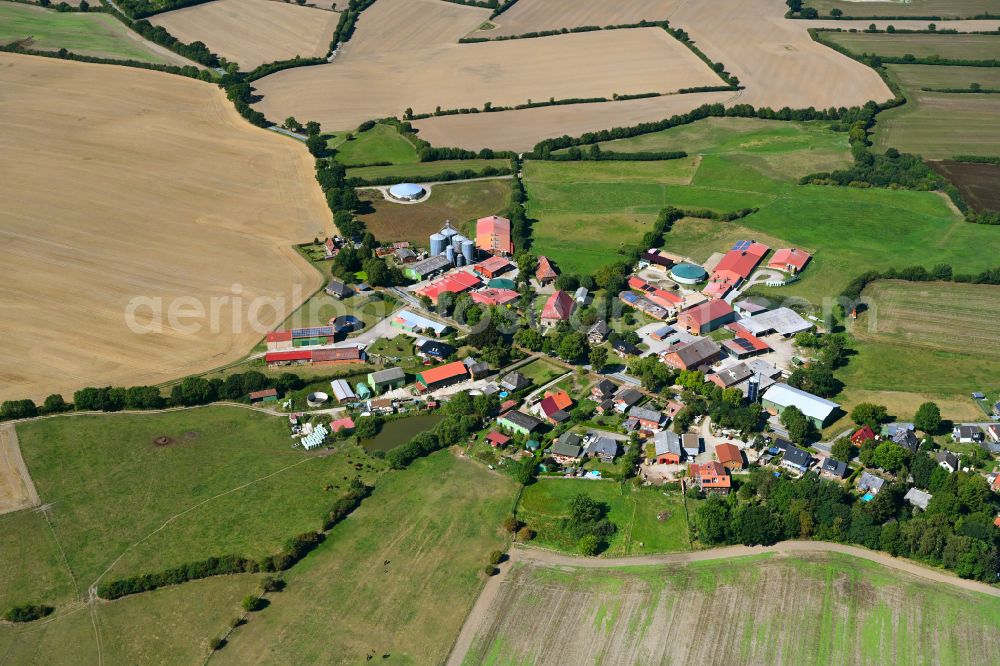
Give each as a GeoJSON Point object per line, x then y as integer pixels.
{"type": "Point", "coordinates": [230, 481]}
{"type": "Point", "coordinates": [92, 34]}
{"type": "Point", "coordinates": [33, 570]}
{"type": "Point", "coordinates": [541, 372]}
{"type": "Point", "coordinates": [381, 143]}
{"type": "Point", "coordinates": [423, 170]}
{"type": "Point", "coordinates": [398, 577]}
{"type": "Point", "coordinates": [648, 520]}
{"type": "Point", "coordinates": [941, 125]}
{"type": "Point", "coordinates": [319, 310]}
{"type": "Point", "coordinates": [814, 609]}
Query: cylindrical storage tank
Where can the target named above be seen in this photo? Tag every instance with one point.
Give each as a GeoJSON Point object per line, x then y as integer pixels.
{"type": "Point", "coordinates": [456, 242]}
{"type": "Point", "coordinates": [437, 244]}
{"type": "Point", "coordinates": [468, 250]}
{"type": "Point", "coordinates": [459, 260]}
{"type": "Point", "coordinates": [448, 232]}
{"type": "Point", "coordinates": [449, 253]}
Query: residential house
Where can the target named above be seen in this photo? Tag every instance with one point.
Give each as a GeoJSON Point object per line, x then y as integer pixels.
{"type": "Point", "coordinates": [606, 406]}
{"type": "Point", "coordinates": [918, 498]}
{"type": "Point", "coordinates": [626, 397]}
{"type": "Point", "coordinates": [434, 349]}
{"type": "Point", "coordinates": [441, 376]}
{"type": "Point", "coordinates": [668, 448]}
{"type": "Point", "coordinates": [947, 460]}
{"type": "Point", "coordinates": [477, 369]}
{"type": "Point", "coordinates": [624, 349]}
{"type": "Point", "coordinates": [497, 440]}
{"type": "Point", "coordinates": [691, 443]}
{"type": "Point", "coordinates": [693, 355]}
{"type": "Point", "coordinates": [967, 434]}
{"type": "Point", "coordinates": [339, 290]}
{"type": "Point", "coordinates": [730, 376]}
{"type": "Point", "coordinates": [386, 380]}
{"type": "Point", "coordinates": [567, 448]}
{"type": "Point", "coordinates": [263, 396]}
{"type": "Point", "coordinates": [649, 420]}
{"type": "Point", "coordinates": [604, 448]}
{"type": "Point", "coordinates": [907, 439]}
{"type": "Point", "coordinates": [603, 390]}
{"type": "Point", "coordinates": [545, 273]}
{"type": "Point", "coordinates": [730, 456]}
{"type": "Point", "coordinates": [796, 459]}
{"type": "Point", "coordinates": [870, 484]}
{"type": "Point", "coordinates": [554, 407]}
{"type": "Point", "coordinates": [833, 469]}
{"type": "Point", "coordinates": [404, 255]}
{"type": "Point", "coordinates": [711, 477]}
{"type": "Point", "coordinates": [598, 333]}
{"type": "Point", "coordinates": [706, 317]}
{"type": "Point", "coordinates": [519, 422]}
{"type": "Point", "coordinates": [781, 396]}
{"type": "Point", "coordinates": [558, 308]}
{"type": "Point", "coordinates": [789, 260]}
{"type": "Point", "coordinates": [862, 435]}
{"type": "Point", "coordinates": [514, 381]}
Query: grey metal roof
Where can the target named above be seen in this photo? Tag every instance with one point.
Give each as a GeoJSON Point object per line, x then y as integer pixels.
{"type": "Point", "coordinates": [798, 457]}
{"type": "Point", "coordinates": [868, 481]}
{"type": "Point", "coordinates": [645, 414]}
{"type": "Point", "coordinates": [918, 498]}
{"type": "Point", "coordinates": [667, 441]}
{"type": "Point", "coordinates": [388, 375]}
{"type": "Point", "coordinates": [522, 420]}
{"type": "Point", "coordinates": [811, 405]}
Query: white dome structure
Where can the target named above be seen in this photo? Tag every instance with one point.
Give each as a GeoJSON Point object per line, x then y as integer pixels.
{"type": "Point", "coordinates": [406, 192]}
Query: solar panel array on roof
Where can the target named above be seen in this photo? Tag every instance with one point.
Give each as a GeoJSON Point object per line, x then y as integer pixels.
{"type": "Point", "coordinates": [743, 344]}
{"type": "Point", "coordinates": [742, 245]}
{"type": "Point", "coordinates": [312, 332]}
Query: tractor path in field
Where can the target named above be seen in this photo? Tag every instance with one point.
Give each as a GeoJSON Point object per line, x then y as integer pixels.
{"type": "Point", "coordinates": [17, 490]}
{"type": "Point", "coordinates": [481, 610]}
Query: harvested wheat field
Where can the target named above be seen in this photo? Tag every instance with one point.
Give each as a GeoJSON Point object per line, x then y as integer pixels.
{"type": "Point", "coordinates": [120, 183]}
{"type": "Point", "coordinates": [253, 32]}
{"type": "Point", "coordinates": [17, 490]}
{"type": "Point", "coordinates": [774, 58]}
{"type": "Point", "coordinates": [410, 25]}
{"type": "Point", "coordinates": [365, 83]}
{"type": "Point", "coordinates": [536, 15]}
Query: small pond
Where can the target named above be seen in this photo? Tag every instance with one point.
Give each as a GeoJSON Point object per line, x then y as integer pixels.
{"type": "Point", "coordinates": [400, 431]}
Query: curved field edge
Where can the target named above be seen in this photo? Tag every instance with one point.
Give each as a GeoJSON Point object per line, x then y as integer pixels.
{"type": "Point", "coordinates": [770, 607]}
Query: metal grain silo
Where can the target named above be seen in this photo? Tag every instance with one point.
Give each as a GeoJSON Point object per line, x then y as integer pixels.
{"type": "Point", "coordinates": [438, 242]}
{"type": "Point", "coordinates": [468, 250]}
{"type": "Point", "coordinates": [449, 253]}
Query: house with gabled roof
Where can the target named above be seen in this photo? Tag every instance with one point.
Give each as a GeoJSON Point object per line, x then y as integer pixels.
{"type": "Point", "coordinates": [711, 477]}
{"type": "Point", "coordinates": [545, 273]}
{"type": "Point", "coordinates": [692, 355]}
{"type": "Point", "coordinates": [557, 308]}
{"type": "Point", "coordinates": [668, 448]}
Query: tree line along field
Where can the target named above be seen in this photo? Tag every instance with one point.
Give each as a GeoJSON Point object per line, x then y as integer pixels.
{"type": "Point", "coordinates": [459, 202]}
{"type": "Point", "coordinates": [756, 164]}
{"type": "Point", "coordinates": [397, 578]}
{"type": "Point", "coordinates": [89, 34]}
{"type": "Point", "coordinates": [121, 225]}
{"type": "Point", "coordinates": [421, 171]}
{"type": "Point", "coordinates": [649, 520]}
{"type": "Point", "coordinates": [800, 609]}
{"type": "Point", "coordinates": [915, 8]}
{"type": "Point", "coordinates": [253, 32]}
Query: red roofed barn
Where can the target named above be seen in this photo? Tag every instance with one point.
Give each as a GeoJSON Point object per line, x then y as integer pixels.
{"type": "Point", "coordinates": [789, 260]}
{"type": "Point", "coordinates": [558, 308]}
{"type": "Point", "coordinates": [706, 317]}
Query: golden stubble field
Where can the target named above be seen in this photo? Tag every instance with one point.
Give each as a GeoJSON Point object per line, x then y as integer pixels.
{"type": "Point", "coordinates": [536, 15]}
{"type": "Point", "coordinates": [253, 32]}
{"type": "Point", "coordinates": [120, 183]}
{"type": "Point", "coordinates": [405, 55]}
{"type": "Point", "coordinates": [774, 58]}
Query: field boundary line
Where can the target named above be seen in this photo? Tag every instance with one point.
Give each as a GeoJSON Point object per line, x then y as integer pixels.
{"type": "Point", "coordinates": [171, 519]}
{"type": "Point", "coordinates": [10, 441]}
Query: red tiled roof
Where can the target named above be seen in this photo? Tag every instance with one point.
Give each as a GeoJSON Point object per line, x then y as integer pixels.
{"type": "Point", "coordinates": [717, 290]}
{"type": "Point", "coordinates": [549, 406]}
{"type": "Point", "coordinates": [455, 283]}
{"type": "Point", "coordinates": [493, 296]}
{"type": "Point", "coordinates": [340, 354]}
{"type": "Point", "coordinates": [545, 271]}
{"type": "Point", "coordinates": [710, 474]}
{"type": "Point", "coordinates": [561, 399]}
{"type": "Point", "coordinates": [559, 306]}
{"type": "Point", "coordinates": [279, 336]}
{"type": "Point", "coordinates": [492, 266]}
{"type": "Point", "coordinates": [707, 312]}
{"type": "Point", "coordinates": [728, 453]}
{"type": "Point", "coordinates": [742, 262]}
{"type": "Point", "coordinates": [863, 434]}
{"type": "Point", "coordinates": [636, 282]}
{"type": "Point", "coordinates": [789, 257]}
{"type": "Point", "coordinates": [442, 373]}
{"type": "Point", "coordinates": [340, 424]}
{"type": "Point", "coordinates": [744, 334]}
{"type": "Point", "coordinates": [266, 393]}
{"type": "Point", "coordinates": [293, 355]}
{"type": "Point", "coordinates": [498, 438]}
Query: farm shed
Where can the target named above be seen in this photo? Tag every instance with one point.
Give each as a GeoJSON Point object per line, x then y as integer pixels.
{"type": "Point", "coordinates": [384, 380]}
{"type": "Point", "coordinates": [781, 396]}
{"type": "Point", "coordinates": [443, 375]}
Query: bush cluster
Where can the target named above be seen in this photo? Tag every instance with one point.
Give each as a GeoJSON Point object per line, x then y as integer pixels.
{"type": "Point", "coordinates": [27, 613]}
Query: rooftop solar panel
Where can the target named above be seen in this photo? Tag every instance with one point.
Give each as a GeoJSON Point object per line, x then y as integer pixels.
{"type": "Point", "coordinates": [742, 245]}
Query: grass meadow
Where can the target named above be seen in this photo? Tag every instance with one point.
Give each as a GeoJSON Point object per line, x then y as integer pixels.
{"type": "Point", "coordinates": [228, 483]}
{"type": "Point", "coordinates": [87, 34]}
{"type": "Point", "coordinates": [398, 577]}
{"type": "Point", "coordinates": [648, 520]}
{"type": "Point", "coordinates": [381, 143]}
{"type": "Point", "coordinates": [916, 8]}
{"type": "Point", "coordinates": [757, 165]}
{"type": "Point", "coordinates": [815, 609]}
{"type": "Point", "coordinates": [948, 46]}
{"type": "Point", "coordinates": [460, 202]}
{"type": "Point", "coordinates": [541, 372]}
{"type": "Point", "coordinates": [941, 125]}
{"type": "Point", "coordinates": [422, 170]}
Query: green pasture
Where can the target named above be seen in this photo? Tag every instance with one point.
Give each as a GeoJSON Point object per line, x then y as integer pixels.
{"type": "Point", "coordinates": [381, 143]}
{"type": "Point", "coordinates": [422, 170]}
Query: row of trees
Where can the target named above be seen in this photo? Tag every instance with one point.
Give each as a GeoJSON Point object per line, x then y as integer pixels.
{"type": "Point", "coordinates": [464, 415]}
{"type": "Point", "coordinates": [956, 531]}
{"type": "Point", "coordinates": [940, 272]}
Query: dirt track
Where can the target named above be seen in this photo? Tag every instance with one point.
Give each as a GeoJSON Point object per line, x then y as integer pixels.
{"type": "Point", "coordinates": [120, 183]}
{"type": "Point", "coordinates": [17, 490]}
{"type": "Point", "coordinates": [480, 611]}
